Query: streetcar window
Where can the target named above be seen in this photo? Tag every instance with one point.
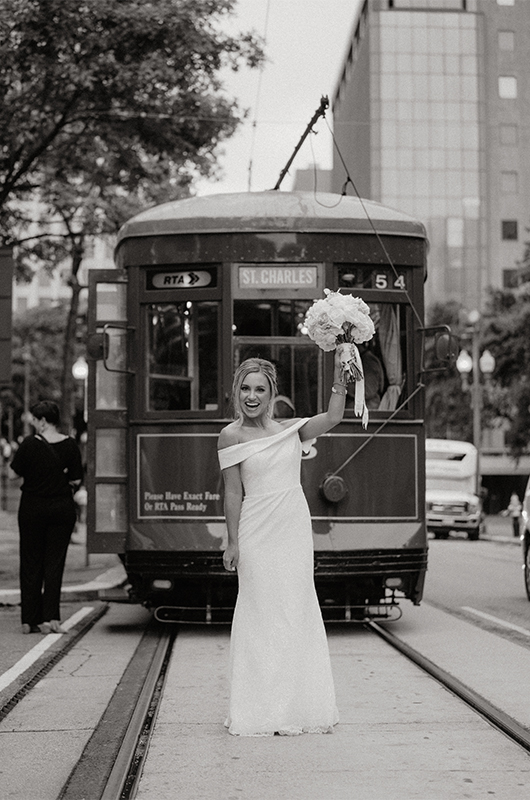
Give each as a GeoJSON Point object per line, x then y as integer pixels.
{"type": "Point", "coordinates": [270, 317]}
{"type": "Point", "coordinates": [110, 453]}
{"type": "Point", "coordinates": [273, 329]}
{"type": "Point", "coordinates": [111, 507]}
{"type": "Point", "coordinates": [111, 301]}
{"type": "Point", "coordinates": [182, 371]}
{"type": "Point", "coordinates": [384, 359]}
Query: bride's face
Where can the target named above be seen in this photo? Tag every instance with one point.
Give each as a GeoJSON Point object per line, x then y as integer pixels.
{"type": "Point", "coordinates": [255, 395]}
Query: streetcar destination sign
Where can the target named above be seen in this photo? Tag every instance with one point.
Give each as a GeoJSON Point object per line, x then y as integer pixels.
{"type": "Point", "coordinates": [272, 277]}
{"type": "Point", "coordinates": [190, 277]}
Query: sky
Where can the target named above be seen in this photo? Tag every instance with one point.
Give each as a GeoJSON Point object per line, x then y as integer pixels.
{"type": "Point", "coordinates": [305, 45]}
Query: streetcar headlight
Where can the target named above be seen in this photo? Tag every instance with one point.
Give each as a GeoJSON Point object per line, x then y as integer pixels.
{"type": "Point", "coordinates": [161, 583]}
{"type": "Point", "coordinates": [393, 583]}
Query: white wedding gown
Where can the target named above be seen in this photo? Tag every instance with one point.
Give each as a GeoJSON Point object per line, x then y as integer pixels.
{"type": "Point", "coordinates": [280, 672]}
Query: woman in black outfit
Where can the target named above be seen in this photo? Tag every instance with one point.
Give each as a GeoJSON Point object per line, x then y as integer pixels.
{"type": "Point", "coordinates": [50, 464]}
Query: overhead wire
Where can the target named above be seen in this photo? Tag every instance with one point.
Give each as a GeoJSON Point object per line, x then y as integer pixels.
{"type": "Point", "coordinates": [258, 97]}
{"type": "Point", "coordinates": [349, 180]}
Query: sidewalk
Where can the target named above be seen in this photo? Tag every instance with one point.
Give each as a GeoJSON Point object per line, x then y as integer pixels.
{"type": "Point", "coordinates": [84, 574]}
{"type": "Point", "coordinates": [499, 528]}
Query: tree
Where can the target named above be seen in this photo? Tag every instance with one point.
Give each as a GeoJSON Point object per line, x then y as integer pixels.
{"type": "Point", "coordinates": [447, 408]}
{"type": "Point", "coordinates": [507, 335]}
{"type": "Point", "coordinates": [78, 204]}
{"type": "Point", "coordinates": [139, 78]}
{"type": "Point", "coordinates": [38, 337]}
{"type": "Point", "coordinates": [505, 332]}
{"type": "Point", "coordinates": [108, 106]}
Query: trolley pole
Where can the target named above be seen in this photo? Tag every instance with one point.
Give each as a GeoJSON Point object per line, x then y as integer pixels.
{"type": "Point", "coordinates": [320, 112]}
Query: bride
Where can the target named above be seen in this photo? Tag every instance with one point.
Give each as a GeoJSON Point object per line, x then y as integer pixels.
{"type": "Point", "coordinates": [280, 672]}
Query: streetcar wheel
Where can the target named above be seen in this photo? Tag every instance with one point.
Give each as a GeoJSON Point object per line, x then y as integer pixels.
{"type": "Point", "coordinates": [526, 569]}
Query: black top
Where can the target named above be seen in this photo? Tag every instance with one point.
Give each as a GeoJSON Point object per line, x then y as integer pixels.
{"type": "Point", "coordinates": [48, 468]}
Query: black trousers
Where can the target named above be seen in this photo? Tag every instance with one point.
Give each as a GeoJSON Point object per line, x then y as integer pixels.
{"type": "Point", "coordinates": [45, 526]}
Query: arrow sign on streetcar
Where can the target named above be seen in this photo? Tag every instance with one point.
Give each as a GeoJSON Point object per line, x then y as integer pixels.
{"type": "Point", "coordinates": [169, 280]}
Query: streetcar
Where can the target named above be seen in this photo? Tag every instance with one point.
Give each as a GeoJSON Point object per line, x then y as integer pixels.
{"type": "Point", "coordinates": [201, 284]}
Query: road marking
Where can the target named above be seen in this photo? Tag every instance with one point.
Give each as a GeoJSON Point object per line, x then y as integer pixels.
{"type": "Point", "coordinates": [45, 643]}
{"type": "Point", "coordinates": [497, 621]}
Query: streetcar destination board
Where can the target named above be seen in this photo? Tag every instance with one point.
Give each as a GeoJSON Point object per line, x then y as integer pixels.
{"type": "Point", "coordinates": [272, 277]}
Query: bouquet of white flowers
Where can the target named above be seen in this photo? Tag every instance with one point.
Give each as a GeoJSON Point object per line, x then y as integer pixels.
{"type": "Point", "coordinates": [341, 322]}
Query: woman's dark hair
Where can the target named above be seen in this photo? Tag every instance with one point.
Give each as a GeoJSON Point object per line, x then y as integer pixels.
{"type": "Point", "coordinates": [48, 410]}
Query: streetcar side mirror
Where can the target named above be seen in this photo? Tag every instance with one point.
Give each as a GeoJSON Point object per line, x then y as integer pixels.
{"type": "Point", "coordinates": [110, 346]}
{"type": "Point", "coordinates": [446, 346]}
{"type": "Point", "coordinates": [439, 348]}
{"type": "Point", "coordinates": [95, 346]}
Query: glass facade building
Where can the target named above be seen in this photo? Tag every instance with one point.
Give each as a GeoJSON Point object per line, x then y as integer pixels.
{"type": "Point", "coordinates": [428, 122]}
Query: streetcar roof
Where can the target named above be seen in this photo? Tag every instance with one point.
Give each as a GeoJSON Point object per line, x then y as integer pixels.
{"type": "Point", "coordinates": [255, 212]}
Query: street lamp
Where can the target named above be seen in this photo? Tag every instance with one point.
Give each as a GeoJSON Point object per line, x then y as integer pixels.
{"type": "Point", "coordinates": [476, 365]}
{"type": "Point", "coordinates": [80, 373]}
{"type": "Point", "coordinates": [464, 364]}
{"type": "Point", "coordinates": [486, 363]}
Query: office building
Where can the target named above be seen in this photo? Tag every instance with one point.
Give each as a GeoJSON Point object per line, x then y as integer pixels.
{"type": "Point", "coordinates": [432, 117]}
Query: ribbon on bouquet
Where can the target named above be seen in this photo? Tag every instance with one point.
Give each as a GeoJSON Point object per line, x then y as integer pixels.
{"type": "Point", "coordinates": [352, 371]}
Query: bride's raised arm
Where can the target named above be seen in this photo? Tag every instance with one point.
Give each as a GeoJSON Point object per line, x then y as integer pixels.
{"type": "Point", "coordinates": [321, 423]}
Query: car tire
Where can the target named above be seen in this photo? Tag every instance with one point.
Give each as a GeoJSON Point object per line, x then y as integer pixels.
{"type": "Point", "coordinates": [526, 570]}
{"type": "Point", "coordinates": [473, 535]}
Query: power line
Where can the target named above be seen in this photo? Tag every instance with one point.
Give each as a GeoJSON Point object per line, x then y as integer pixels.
{"type": "Point", "coordinates": [258, 96]}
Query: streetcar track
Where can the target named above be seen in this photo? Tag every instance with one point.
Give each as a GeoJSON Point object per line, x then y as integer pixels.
{"type": "Point", "coordinates": [124, 778]}
{"type": "Point", "coordinates": [111, 764]}
{"type": "Point", "coordinates": [495, 716]}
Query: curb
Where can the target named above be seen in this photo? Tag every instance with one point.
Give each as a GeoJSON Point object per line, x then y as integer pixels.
{"type": "Point", "coordinates": [502, 539]}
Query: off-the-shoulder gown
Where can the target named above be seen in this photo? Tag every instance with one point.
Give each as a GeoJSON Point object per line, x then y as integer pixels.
{"type": "Point", "coordinates": [280, 671]}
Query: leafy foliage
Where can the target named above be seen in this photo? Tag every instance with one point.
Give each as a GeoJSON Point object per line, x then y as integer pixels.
{"type": "Point", "coordinates": [505, 332]}
{"type": "Point", "coordinates": [447, 405]}
{"type": "Point", "coordinates": [106, 107]}
{"type": "Point", "coordinates": [38, 339]}
{"type": "Point", "coordinates": [126, 84]}
{"type": "Point", "coordinates": [507, 335]}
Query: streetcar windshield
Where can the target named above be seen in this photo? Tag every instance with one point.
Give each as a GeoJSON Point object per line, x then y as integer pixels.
{"type": "Point", "coordinates": [273, 329]}
{"type": "Point", "coordinates": [182, 371]}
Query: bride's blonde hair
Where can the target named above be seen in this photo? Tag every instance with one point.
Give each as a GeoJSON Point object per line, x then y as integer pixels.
{"type": "Point", "coordinates": [244, 369]}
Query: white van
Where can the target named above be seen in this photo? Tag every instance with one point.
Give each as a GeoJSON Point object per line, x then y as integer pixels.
{"type": "Point", "coordinates": [451, 480]}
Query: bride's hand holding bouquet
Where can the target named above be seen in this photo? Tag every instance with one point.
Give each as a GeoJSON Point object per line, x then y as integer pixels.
{"type": "Point", "coordinates": [341, 322]}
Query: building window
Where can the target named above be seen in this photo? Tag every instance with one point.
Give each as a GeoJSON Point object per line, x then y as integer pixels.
{"type": "Point", "coordinates": [506, 40]}
{"type": "Point", "coordinates": [509, 229]}
{"type": "Point", "coordinates": [507, 87]}
{"type": "Point", "coordinates": [509, 278]}
{"type": "Point", "coordinates": [505, 2]}
{"type": "Point", "coordinates": [508, 134]}
{"type": "Point", "coordinates": [509, 182]}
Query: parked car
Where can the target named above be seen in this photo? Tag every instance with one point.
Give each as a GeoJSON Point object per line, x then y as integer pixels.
{"type": "Point", "coordinates": [525, 538]}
